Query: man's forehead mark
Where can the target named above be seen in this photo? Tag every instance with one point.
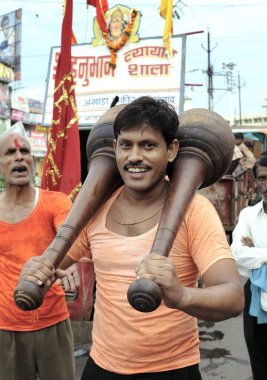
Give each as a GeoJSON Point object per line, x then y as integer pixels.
{"type": "Point", "coordinates": [17, 144]}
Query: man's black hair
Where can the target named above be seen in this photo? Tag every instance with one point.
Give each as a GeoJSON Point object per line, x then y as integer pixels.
{"type": "Point", "coordinates": [156, 113]}
{"type": "Point", "coordinates": [261, 162]}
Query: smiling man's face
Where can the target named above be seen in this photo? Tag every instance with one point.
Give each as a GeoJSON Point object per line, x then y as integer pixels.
{"type": "Point", "coordinates": [142, 156]}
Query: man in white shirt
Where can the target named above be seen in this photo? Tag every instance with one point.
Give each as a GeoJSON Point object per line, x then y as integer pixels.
{"type": "Point", "coordinates": [250, 249]}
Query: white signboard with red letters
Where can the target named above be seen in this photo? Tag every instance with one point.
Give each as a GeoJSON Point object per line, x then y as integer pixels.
{"type": "Point", "coordinates": [143, 68]}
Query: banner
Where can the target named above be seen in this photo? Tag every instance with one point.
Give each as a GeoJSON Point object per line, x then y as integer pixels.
{"type": "Point", "coordinates": [62, 167]}
{"type": "Point", "coordinates": [143, 68]}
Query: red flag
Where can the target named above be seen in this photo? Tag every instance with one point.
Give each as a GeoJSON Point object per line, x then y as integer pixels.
{"type": "Point", "coordinates": [62, 167]}
{"type": "Point", "coordinates": [101, 8]}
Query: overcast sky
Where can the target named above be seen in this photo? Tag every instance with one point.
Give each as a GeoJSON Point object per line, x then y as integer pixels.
{"type": "Point", "coordinates": [238, 35]}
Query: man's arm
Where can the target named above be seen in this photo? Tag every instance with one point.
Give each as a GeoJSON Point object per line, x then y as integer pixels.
{"type": "Point", "coordinates": [246, 152]}
{"type": "Point", "coordinates": [201, 239]}
{"type": "Point", "coordinates": [247, 257]}
{"type": "Point", "coordinates": [249, 159]}
{"type": "Point", "coordinates": [221, 298]}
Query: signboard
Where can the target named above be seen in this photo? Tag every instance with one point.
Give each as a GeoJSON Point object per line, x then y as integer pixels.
{"type": "Point", "coordinates": [143, 68]}
{"type": "Point", "coordinates": [6, 73]}
{"type": "Point", "coordinates": [5, 101]}
{"type": "Point", "coordinates": [26, 117]}
{"type": "Point", "coordinates": [26, 105]}
{"type": "Point", "coordinates": [38, 143]}
{"type": "Point", "coordinates": [10, 40]}
{"type": "Point", "coordinates": [20, 103]}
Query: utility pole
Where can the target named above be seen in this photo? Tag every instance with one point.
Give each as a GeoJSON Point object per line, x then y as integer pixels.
{"type": "Point", "coordinates": [239, 86]}
{"type": "Point", "coordinates": [209, 73]}
{"type": "Point", "coordinates": [230, 88]}
{"type": "Point", "coordinates": [239, 100]}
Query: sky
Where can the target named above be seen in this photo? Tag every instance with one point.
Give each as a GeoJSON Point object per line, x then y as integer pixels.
{"type": "Point", "coordinates": [238, 39]}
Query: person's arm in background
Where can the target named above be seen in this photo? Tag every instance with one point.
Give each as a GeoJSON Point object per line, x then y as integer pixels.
{"type": "Point", "coordinates": [247, 256]}
{"type": "Point", "coordinates": [248, 156]}
{"type": "Point", "coordinates": [68, 273]}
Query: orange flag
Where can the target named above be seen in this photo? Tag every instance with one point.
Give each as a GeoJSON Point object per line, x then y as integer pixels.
{"type": "Point", "coordinates": [73, 39]}
{"type": "Point", "coordinates": [166, 8]}
{"type": "Point", "coordinates": [62, 167]}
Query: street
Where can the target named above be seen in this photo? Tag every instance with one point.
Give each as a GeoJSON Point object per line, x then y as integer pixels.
{"type": "Point", "coordinates": [223, 351]}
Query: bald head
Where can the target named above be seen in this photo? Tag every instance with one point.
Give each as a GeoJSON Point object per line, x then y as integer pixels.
{"type": "Point", "coordinates": [13, 137]}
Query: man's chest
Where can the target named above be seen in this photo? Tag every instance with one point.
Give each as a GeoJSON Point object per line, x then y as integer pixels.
{"type": "Point", "coordinates": [119, 256]}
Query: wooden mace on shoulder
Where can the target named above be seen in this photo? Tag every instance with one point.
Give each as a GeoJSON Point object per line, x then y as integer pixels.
{"type": "Point", "coordinates": [206, 151]}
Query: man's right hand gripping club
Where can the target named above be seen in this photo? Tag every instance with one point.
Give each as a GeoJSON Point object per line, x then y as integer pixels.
{"type": "Point", "coordinates": [41, 272]}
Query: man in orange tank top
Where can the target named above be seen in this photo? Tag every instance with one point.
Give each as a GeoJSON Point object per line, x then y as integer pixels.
{"type": "Point", "coordinates": [163, 344]}
{"type": "Point", "coordinates": [40, 342]}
